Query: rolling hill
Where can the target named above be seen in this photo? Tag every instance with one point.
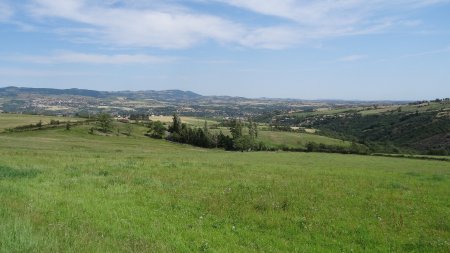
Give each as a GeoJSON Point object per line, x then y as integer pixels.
{"type": "Point", "coordinates": [73, 191]}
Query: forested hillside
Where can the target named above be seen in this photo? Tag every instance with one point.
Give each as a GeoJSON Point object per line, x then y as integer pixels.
{"type": "Point", "coordinates": [427, 131]}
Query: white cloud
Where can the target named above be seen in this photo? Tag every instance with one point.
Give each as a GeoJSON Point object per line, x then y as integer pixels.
{"type": "Point", "coordinates": [175, 24]}
{"type": "Point", "coordinates": [21, 72]}
{"type": "Point", "coordinates": [352, 58]}
{"type": "Point", "coordinates": [272, 37]}
{"type": "Point", "coordinates": [168, 28]}
{"type": "Point", "coordinates": [418, 54]}
{"type": "Point", "coordinates": [431, 52]}
{"type": "Point", "coordinates": [321, 19]}
{"type": "Point", "coordinates": [74, 57]}
{"type": "Point", "coordinates": [324, 11]}
{"type": "Point", "coordinates": [6, 12]}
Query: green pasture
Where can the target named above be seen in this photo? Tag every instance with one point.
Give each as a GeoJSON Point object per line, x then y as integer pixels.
{"type": "Point", "coordinates": [71, 191]}
{"type": "Point", "coordinates": [14, 120]}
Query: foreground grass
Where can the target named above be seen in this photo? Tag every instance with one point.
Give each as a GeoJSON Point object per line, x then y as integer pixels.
{"type": "Point", "coordinates": [74, 192]}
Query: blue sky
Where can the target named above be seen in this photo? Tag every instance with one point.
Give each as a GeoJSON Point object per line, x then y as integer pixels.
{"type": "Point", "coordinates": [342, 49]}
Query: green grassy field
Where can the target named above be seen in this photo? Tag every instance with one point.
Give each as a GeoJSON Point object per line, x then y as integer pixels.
{"type": "Point", "coordinates": [278, 139]}
{"type": "Point", "coordinates": [297, 140]}
{"type": "Point", "coordinates": [14, 120]}
{"type": "Point", "coordinates": [193, 121]}
{"type": "Point", "coordinates": [69, 191]}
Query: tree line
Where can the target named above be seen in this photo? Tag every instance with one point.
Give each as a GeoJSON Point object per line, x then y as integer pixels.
{"type": "Point", "coordinates": [244, 136]}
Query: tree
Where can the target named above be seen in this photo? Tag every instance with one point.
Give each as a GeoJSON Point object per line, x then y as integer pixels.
{"type": "Point", "coordinates": [205, 127]}
{"type": "Point", "coordinates": [255, 128]}
{"type": "Point", "coordinates": [128, 129]}
{"type": "Point", "coordinates": [209, 139]}
{"type": "Point", "coordinates": [311, 147]}
{"type": "Point", "coordinates": [225, 142]}
{"type": "Point", "coordinates": [252, 130]}
{"type": "Point", "coordinates": [236, 128]}
{"type": "Point", "coordinates": [104, 122]}
{"type": "Point", "coordinates": [157, 129]}
{"type": "Point", "coordinates": [243, 143]}
{"type": "Point", "coordinates": [176, 124]}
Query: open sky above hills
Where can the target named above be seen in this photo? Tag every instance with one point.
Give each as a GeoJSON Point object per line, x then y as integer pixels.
{"type": "Point", "coordinates": [348, 49]}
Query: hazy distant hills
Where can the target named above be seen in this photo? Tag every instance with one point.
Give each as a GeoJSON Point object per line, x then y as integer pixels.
{"type": "Point", "coordinates": [150, 94]}
{"type": "Point", "coordinates": [83, 101]}
{"type": "Point", "coordinates": [384, 126]}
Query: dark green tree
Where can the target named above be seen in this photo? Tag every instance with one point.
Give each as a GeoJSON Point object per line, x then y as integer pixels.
{"type": "Point", "coordinates": [255, 129]}
{"type": "Point", "coordinates": [128, 129]}
{"type": "Point", "coordinates": [252, 129]}
{"type": "Point", "coordinates": [243, 143]}
{"type": "Point", "coordinates": [205, 127]}
{"type": "Point", "coordinates": [225, 142]}
{"type": "Point", "coordinates": [157, 129]}
{"type": "Point", "coordinates": [176, 124]}
{"type": "Point", "coordinates": [104, 122]}
{"type": "Point", "coordinates": [236, 128]}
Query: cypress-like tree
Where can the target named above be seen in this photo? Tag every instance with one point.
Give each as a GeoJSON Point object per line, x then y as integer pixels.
{"type": "Point", "coordinates": [176, 124]}
{"type": "Point", "coordinates": [236, 128]}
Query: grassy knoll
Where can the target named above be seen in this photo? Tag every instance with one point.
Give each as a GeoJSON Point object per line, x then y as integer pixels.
{"type": "Point", "coordinates": [297, 140]}
{"type": "Point", "coordinates": [275, 139]}
{"type": "Point", "coordinates": [431, 106]}
{"type": "Point", "coordinates": [408, 108]}
{"type": "Point", "coordinates": [14, 120]}
{"type": "Point", "coordinates": [74, 192]}
{"type": "Point", "coordinates": [326, 111]}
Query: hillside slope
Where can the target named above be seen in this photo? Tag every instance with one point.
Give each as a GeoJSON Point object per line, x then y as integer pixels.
{"type": "Point", "coordinates": [164, 95]}
{"type": "Point", "coordinates": [423, 127]}
{"type": "Point", "coordinates": [75, 192]}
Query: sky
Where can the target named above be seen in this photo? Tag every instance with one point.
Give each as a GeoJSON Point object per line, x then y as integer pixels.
{"type": "Point", "coordinates": [308, 49]}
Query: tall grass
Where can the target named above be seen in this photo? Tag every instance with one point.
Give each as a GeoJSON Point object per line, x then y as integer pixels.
{"type": "Point", "coordinates": [69, 191]}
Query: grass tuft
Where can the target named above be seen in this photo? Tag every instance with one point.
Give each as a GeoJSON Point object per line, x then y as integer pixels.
{"type": "Point", "coordinates": [8, 172]}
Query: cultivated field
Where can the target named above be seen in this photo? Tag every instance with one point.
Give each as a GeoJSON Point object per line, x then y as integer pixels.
{"type": "Point", "coordinates": [75, 192]}
{"type": "Point", "coordinates": [188, 120]}
{"type": "Point", "coordinates": [14, 120]}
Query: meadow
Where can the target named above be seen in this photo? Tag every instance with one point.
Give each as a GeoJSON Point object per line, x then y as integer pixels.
{"type": "Point", "coordinates": [297, 140]}
{"type": "Point", "coordinates": [193, 121]}
{"type": "Point", "coordinates": [14, 120]}
{"type": "Point", "coordinates": [71, 191]}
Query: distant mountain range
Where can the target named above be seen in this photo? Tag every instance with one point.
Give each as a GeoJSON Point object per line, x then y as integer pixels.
{"type": "Point", "coordinates": [149, 94]}
{"type": "Point", "coordinates": [167, 95]}
{"type": "Point", "coordinates": [391, 126]}
{"type": "Point", "coordinates": [83, 101]}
